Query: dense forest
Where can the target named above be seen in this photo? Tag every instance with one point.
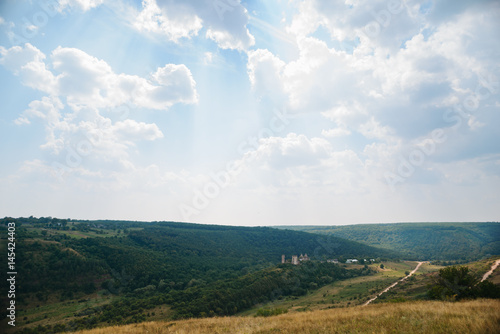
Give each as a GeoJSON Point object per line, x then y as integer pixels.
{"type": "Point", "coordinates": [447, 242]}
{"type": "Point", "coordinates": [198, 270]}
{"type": "Point", "coordinates": [223, 297]}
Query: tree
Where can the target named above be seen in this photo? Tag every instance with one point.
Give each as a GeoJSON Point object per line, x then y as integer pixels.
{"type": "Point", "coordinates": [486, 289]}
{"type": "Point", "coordinates": [381, 266]}
{"type": "Point", "coordinates": [454, 283]}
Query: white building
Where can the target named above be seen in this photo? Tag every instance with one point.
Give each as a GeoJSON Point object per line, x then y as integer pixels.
{"type": "Point", "coordinates": [303, 258]}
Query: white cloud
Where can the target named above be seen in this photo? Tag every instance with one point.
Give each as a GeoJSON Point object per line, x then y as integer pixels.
{"type": "Point", "coordinates": [225, 23]}
{"type": "Point", "coordinates": [176, 85]}
{"type": "Point", "coordinates": [81, 77]}
{"type": "Point", "coordinates": [48, 109]}
{"type": "Point", "coordinates": [28, 63]}
{"type": "Point", "coordinates": [265, 72]}
{"type": "Point", "coordinates": [131, 130]}
{"type": "Point", "coordinates": [373, 130]}
{"type": "Point", "coordinates": [375, 22]}
{"type": "Point", "coordinates": [226, 40]}
{"type": "Point", "coordinates": [297, 162]}
{"type": "Point", "coordinates": [208, 58]}
{"type": "Point", "coordinates": [80, 88]}
{"type": "Point", "coordinates": [83, 5]}
{"type": "Point", "coordinates": [474, 124]}
{"type": "Point", "coordinates": [337, 132]}
{"type": "Point", "coordinates": [292, 150]}
{"type": "Point", "coordinates": [348, 113]}
{"type": "Point", "coordinates": [395, 86]}
{"type": "Point", "coordinates": [365, 83]}
{"type": "Point", "coordinates": [86, 81]}
{"type": "Point", "coordinates": [320, 79]}
{"type": "Point", "coordinates": [174, 22]}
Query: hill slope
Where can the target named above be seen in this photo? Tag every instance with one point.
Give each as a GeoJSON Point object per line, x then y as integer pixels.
{"type": "Point", "coordinates": [422, 241]}
{"type": "Point", "coordinates": [479, 316]}
{"type": "Point", "coordinates": [112, 271]}
{"type": "Point", "coordinates": [169, 251]}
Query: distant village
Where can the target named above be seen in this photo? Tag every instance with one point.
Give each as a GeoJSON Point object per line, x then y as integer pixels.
{"type": "Point", "coordinates": [296, 260]}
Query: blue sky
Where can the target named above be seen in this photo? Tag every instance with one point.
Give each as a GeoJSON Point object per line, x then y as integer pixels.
{"type": "Point", "coordinates": [250, 112]}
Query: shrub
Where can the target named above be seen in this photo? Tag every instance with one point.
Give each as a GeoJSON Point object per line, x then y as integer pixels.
{"type": "Point", "coordinates": [459, 282]}
{"type": "Point", "coordinates": [263, 312]}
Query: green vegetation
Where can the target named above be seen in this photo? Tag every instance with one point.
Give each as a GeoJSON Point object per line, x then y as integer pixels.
{"type": "Point", "coordinates": [114, 272]}
{"type": "Point", "coordinates": [85, 274]}
{"type": "Point", "coordinates": [450, 243]}
{"type": "Point", "coordinates": [346, 292]}
{"type": "Point", "coordinates": [459, 282]}
{"type": "Point", "coordinates": [265, 312]}
{"type": "Point", "coordinates": [230, 296]}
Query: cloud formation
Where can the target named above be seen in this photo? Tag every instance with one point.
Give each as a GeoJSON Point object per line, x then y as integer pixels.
{"type": "Point", "coordinates": [392, 84]}
{"type": "Point", "coordinates": [223, 21]}
{"type": "Point", "coordinates": [390, 106]}
{"type": "Point", "coordinates": [81, 92]}
{"type": "Point", "coordinates": [82, 5]}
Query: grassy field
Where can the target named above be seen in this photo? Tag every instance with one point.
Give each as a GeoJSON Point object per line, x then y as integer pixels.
{"type": "Point", "coordinates": [63, 312]}
{"type": "Point", "coordinates": [495, 277]}
{"type": "Point", "coordinates": [479, 316]}
{"type": "Point", "coordinates": [417, 286]}
{"type": "Point", "coordinates": [33, 312]}
{"type": "Point", "coordinates": [483, 266]}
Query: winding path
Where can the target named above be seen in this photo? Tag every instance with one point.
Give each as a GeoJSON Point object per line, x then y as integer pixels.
{"type": "Point", "coordinates": [493, 267]}
{"type": "Point", "coordinates": [396, 283]}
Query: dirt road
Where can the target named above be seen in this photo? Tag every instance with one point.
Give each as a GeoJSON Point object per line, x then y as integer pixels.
{"type": "Point", "coordinates": [493, 267]}
{"type": "Point", "coordinates": [394, 284]}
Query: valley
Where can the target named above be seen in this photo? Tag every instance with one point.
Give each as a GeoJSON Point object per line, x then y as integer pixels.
{"type": "Point", "coordinates": [100, 274]}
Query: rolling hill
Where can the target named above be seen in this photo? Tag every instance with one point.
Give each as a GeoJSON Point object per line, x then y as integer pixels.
{"type": "Point", "coordinates": [84, 273]}
{"type": "Point", "coordinates": [461, 242]}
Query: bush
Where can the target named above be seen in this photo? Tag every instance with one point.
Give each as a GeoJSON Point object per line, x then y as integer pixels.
{"type": "Point", "coordinates": [262, 312]}
{"type": "Point", "coordinates": [486, 289]}
{"type": "Point", "coordinates": [459, 282]}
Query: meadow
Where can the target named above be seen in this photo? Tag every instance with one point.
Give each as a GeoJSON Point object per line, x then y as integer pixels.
{"type": "Point", "coordinates": [478, 316]}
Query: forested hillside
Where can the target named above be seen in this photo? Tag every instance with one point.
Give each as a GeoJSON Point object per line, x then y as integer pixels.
{"type": "Point", "coordinates": [422, 241]}
{"type": "Point", "coordinates": [196, 270]}
{"type": "Point", "coordinates": [178, 253]}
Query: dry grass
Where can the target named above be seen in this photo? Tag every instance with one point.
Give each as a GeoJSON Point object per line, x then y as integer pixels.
{"type": "Point", "coordinates": [479, 316]}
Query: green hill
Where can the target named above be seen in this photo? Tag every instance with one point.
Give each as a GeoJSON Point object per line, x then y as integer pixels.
{"type": "Point", "coordinates": [90, 272]}
{"type": "Point", "coordinates": [422, 241]}
{"type": "Point", "coordinates": [169, 251]}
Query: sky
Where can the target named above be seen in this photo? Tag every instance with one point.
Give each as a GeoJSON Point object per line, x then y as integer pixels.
{"type": "Point", "coordinates": [298, 112]}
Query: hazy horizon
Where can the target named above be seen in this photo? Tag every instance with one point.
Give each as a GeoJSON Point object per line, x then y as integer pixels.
{"type": "Point", "coordinates": [250, 113]}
